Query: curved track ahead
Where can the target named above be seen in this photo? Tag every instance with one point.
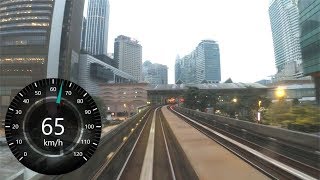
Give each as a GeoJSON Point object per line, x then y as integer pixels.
{"type": "Point", "coordinates": [168, 160]}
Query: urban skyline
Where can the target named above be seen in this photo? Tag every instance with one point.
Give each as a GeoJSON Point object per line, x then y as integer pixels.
{"type": "Point", "coordinates": [73, 62]}
{"type": "Point", "coordinates": [254, 34]}
{"type": "Point", "coordinates": [117, 110]}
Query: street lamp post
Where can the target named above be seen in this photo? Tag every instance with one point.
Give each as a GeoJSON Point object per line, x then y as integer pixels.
{"type": "Point", "coordinates": [235, 100]}
{"type": "Point", "coordinates": [259, 111]}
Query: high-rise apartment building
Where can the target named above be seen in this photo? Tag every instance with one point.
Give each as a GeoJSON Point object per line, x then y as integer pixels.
{"type": "Point", "coordinates": [36, 42]}
{"type": "Point", "coordinates": [128, 54]}
{"type": "Point", "coordinates": [97, 26]}
{"type": "Point", "coordinates": [284, 19]}
{"type": "Point", "coordinates": [310, 40]}
{"type": "Point", "coordinates": [200, 66]}
{"type": "Point", "coordinates": [154, 73]}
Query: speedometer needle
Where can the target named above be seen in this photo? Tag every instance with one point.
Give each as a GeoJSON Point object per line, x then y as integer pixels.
{"type": "Point", "coordinates": [59, 94]}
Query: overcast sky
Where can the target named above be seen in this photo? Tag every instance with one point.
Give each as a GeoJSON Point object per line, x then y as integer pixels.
{"type": "Point", "coordinates": [167, 28]}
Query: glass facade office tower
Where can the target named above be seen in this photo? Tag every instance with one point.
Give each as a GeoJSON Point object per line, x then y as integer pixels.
{"type": "Point", "coordinates": [208, 68]}
{"type": "Point", "coordinates": [284, 19]}
{"type": "Point", "coordinates": [185, 70]}
{"type": "Point", "coordinates": [35, 43]}
{"type": "Point", "coordinates": [83, 34]}
{"type": "Point", "coordinates": [200, 66]}
{"type": "Point", "coordinates": [155, 73]}
{"type": "Point", "coordinates": [128, 54]}
{"type": "Point", "coordinates": [97, 25]}
{"type": "Point", "coordinates": [310, 40]}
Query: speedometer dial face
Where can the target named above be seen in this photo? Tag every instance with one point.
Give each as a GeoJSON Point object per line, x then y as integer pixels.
{"type": "Point", "coordinates": [53, 126]}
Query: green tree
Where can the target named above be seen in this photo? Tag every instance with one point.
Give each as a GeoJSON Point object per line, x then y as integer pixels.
{"type": "Point", "coordinates": [305, 118]}
{"type": "Point", "coordinates": [190, 97]}
{"type": "Point", "coordinates": [196, 99]}
{"type": "Point", "coordinates": [295, 101]}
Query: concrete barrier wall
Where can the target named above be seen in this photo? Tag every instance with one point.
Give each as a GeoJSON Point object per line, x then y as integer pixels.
{"type": "Point", "coordinates": [304, 139]}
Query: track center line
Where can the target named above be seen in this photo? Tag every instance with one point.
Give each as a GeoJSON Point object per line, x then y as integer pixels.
{"type": "Point", "coordinates": [147, 167]}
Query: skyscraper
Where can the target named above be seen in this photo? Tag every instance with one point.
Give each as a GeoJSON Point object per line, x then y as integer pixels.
{"type": "Point", "coordinates": [35, 43]}
{"type": "Point", "coordinates": [97, 25]}
{"type": "Point", "coordinates": [128, 54]}
{"type": "Point", "coordinates": [83, 33]}
{"type": "Point", "coordinates": [207, 56]}
{"type": "Point", "coordinates": [284, 19]}
{"type": "Point", "coordinates": [310, 41]}
{"type": "Point", "coordinates": [155, 73]}
{"type": "Point", "coordinates": [185, 69]}
{"type": "Point", "coordinates": [200, 66]}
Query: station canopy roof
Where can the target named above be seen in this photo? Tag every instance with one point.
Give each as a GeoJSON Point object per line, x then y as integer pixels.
{"type": "Point", "coordinates": [168, 87]}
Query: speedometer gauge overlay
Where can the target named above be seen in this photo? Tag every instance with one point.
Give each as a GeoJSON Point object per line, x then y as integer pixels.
{"type": "Point", "coordinates": [53, 126]}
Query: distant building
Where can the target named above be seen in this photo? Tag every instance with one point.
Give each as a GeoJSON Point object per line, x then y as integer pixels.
{"type": "Point", "coordinates": [97, 26]}
{"type": "Point", "coordinates": [83, 33]}
{"type": "Point", "coordinates": [200, 66]}
{"type": "Point", "coordinates": [111, 55]}
{"type": "Point", "coordinates": [264, 82]}
{"type": "Point", "coordinates": [310, 41]}
{"type": "Point", "coordinates": [185, 70]}
{"type": "Point", "coordinates": [155, 73]}
{"type": "Point", "coordinates": [284, 19]}
{"type": "Point", "coordinates": [128, 54]}
{"type": "Point", "coordinates": [303, 90]}
{"type": "Point", "coordinates": [95, 72]}
{"type": "Point", "coordinates": [159, 94]}
{"type": "Point", "coordinates": [125, 97]}
{"type": "Point", "coordinates": [107, 60]}
{"type": "Point", "coordinates": [38, 39]}
{"type": "Point", "coordinates": [291, 71]}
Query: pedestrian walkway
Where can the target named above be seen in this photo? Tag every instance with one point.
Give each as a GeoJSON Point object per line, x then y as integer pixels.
{"type": "Point", "coordinates": [209, 159]}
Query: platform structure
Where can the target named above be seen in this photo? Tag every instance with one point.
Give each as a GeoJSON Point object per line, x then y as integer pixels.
{"type": "Point", "coordinates": [209, 159]}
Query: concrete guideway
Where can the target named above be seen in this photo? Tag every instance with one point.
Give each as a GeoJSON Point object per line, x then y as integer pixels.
{"type": "Point", "coordinates": [147, 167]}
{"type": "Point", "coordinates": [209, 159]}
{"type": "Point", "coordinates": [273, 164]}
{"type": "Point", "coordinates": [156, 154]}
